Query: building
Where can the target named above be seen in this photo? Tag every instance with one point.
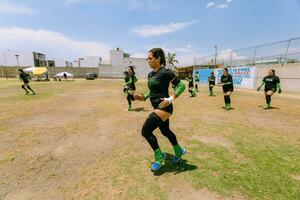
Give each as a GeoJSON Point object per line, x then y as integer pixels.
{"type": "Point", "coordinates": [120, 61]}
{"type": "Point", "coordinates": [22, 59]}
{"type": "Point", "coordinates": [114, 68]}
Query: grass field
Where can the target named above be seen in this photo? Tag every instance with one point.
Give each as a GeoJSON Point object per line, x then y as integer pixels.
{"type": "Point", "coordinates": [74, 140]}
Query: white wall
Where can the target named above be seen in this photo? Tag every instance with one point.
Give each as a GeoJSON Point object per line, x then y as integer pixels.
{"type": "Point", "coordinates": [8, 58]}
{"type": "Point", "coordinates": [289, 75]}
{"type": "Point", "coordinates": [90, 61]}
{"type": "Point", "coordinates": [117, 57]}
{"type": "Point", "coordinates": [142, 68]}
{"type": "Point", "coordinates": [59, 62]}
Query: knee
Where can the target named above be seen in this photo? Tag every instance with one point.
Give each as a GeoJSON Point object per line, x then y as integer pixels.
{"type": "Point", "coordinates": [165, 131]}
{"type": "Point", "coordinates": [132, 97]}
{"type": "Point", "coordinates": [145, 130]}
{"type": "Point", "coordinates": [150, 124]}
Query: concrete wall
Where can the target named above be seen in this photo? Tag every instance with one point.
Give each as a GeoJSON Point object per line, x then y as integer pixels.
{"type": "Point", "coordinates": [142, 68]}
{"type": "Point", "coordinates": [251, 77]}
{"type": "Point", "coordinates": [8, 58]}
{"type": "Point", "coordinates": [289, 75]}
{"type": "Point", "coordinates": [12, 72]}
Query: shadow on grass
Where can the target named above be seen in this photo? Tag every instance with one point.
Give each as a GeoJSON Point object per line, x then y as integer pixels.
{"type": "Point", "coordinates": [227, 110]}
{"type": "Point", "coordinates": [271, 108]}
{"type": "Point", "coordinates": [139, 110]}
{"type": "Point", "coordinates": [170, 167]}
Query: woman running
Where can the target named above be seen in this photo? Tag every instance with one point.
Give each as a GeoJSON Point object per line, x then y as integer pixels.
{"type": "Point", "coordinates": [211, 83]}
{"type": "Point", "coordinates": [271, 82]}
{"type": "Point", "coordinates": [158, 83]}
{"type": "Point", "coordinates": [191, 86]}
{"type": "Point", "coordinates": [197, 80]}
{"type": "Point", "coordinates": [24, 76]}
{"type": "Point", "coordinates": [227, 85]}
{"type": "Point", "coordinates": [130, 86]}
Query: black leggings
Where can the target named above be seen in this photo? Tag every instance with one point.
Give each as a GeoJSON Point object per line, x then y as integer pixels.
{"type": "Point", "coordinates": [227, 99]}
{"type": "Point", "coordinates": [23, 86]}
{"type": "Point", "coordinates": [130, 98]}
{"type": "Point", "coordinates": [268, 99]}
{"type": "Point", "coordinates": [152, 122]}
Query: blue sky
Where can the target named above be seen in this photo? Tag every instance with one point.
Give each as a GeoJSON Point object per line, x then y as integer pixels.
{"type": "Point", "coordinates": [68, 29]}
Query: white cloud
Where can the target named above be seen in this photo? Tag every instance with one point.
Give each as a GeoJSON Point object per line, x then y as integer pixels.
{"type": "Point", "coordinates": [223, 5]}
{"type": "Point", "coordinates": [185, 55]}
{"type": "Point", "coordinates": [135, 5]}
{"type": "Point", "coordinates": [138, 55]}
{"type": "Point", "coordinates": [152, 30]}
{"type": "Point", "coordinates": [229, 54]}
{"type": "Point", "coordinates": [187, 59]}
{"type": "Point", "coordinates": [53, 44]}
{"type": "Point", "coordinates": [11, 8]}
{"type": "Point", "coordinates": [210, 4]}
{"type": "Point", "coordinates": [128, 4]}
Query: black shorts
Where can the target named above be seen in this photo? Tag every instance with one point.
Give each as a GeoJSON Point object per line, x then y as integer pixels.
{"type": "Point", "coordinates": [211, 83]}
{"type": "Point", "coordinates": [227, 89]}
{"type": "Point", "coordinates": [168, 108]}
{"type": "Point", "coordinates": [271, 89]}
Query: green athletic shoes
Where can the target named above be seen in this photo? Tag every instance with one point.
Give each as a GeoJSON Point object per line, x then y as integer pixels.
{"type": "Point", "coordinates": [179, 152]}
{"type": "Point", "coordinates": [227, 106]}
{"type": "Point", "coordinates": [129, 107]}
{"type": "Point", "coordinates": [267, 106]}
{"type": "Point", "coordinates": [159, 157]}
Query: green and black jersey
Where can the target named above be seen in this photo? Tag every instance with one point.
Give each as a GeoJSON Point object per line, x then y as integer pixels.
{"type": "Point", "coordinates": [130, 81]}
{"type": "Point", "coordinates": [227, 83]}
{"type": "Point", "coordinates": [191, 82]}
{"type": "Point", "coordinates": [211, 80]}
{"type": "Point", "coordinates": [197, 78]}
{"type": "Point", "coordinates": [271, 82]}
{"type": "Point", "coordinates": [126, 79]}
{"type": "Point", "coordinates": [24, 77]}
{"type": "Point", "coordinates": [158, 83]}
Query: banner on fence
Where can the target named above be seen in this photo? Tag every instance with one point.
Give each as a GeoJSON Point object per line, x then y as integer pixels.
{"type": "Point", "coordinates": [244, 77]}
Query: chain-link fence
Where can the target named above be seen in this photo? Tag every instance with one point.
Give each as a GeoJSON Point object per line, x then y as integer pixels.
{"type": "Point", "coordinates": [282, 52]}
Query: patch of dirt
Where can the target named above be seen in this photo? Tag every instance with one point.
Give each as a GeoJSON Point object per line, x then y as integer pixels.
{"type": "Point", "coordinates": [189, 193]}
{"type": "Point", "coordinates": [215, 140]}
{"type": "Point", "coordinates": [295, 177]}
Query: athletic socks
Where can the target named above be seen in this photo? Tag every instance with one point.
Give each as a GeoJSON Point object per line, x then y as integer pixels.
{"type": "Point", "coordinates": [159, 157]}
{"type": "Point", "coordinates": [31, 90]}
{"type": "Point", "coordinates": [268, 102]}
{"type": "Point", "coordinates": [227, 102]}
{"type": "Point", "coordinates": [179, 152]}
{"type": "Point", "coordinates": [129, 108]}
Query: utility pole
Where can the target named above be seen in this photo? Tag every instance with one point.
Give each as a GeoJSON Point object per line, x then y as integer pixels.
{"type": "Point", "coordinates": [216, 51]}
{"type": "Point", "coordinates": [17, 57]}
{"type": "Point", "coordinates": [79, 64]}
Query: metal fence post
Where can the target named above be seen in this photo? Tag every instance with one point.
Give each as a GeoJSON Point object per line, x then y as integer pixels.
{"type": "Point", "coordinates": [286, 52]}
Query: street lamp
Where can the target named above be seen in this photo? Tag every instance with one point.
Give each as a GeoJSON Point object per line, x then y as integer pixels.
{"type": "Point", "coordinates": [17, 57]}
{"type": "Point", "coordinates": [79, 59]}
{"type": "Point", "coordinates": [99, 64]}
{"type": "Point", "coordinates": [216, 51]}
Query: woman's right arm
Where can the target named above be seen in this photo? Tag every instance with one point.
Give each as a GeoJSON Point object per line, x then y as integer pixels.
{"type": "Point", "coordinates": [142, 97]}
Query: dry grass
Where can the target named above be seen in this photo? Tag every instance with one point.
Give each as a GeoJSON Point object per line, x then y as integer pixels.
{"type": "Point", "coordinates": [74, 140]}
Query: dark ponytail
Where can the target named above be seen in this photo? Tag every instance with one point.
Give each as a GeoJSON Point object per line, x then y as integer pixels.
{"type": "Point", "coordinates": [159, 53]}
{"type": "Point", "coordinates": [273, 70]}
{"type": "Point", "coordinates": [131, 68]}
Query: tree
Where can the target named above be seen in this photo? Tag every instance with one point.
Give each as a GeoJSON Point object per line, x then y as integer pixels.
{"type": "Point", "coordinates": [171, 60]}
